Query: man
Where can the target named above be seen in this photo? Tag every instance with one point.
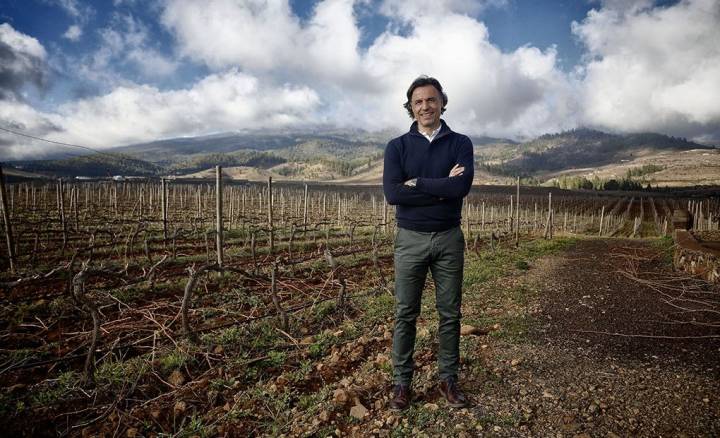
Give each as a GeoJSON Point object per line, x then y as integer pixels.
{"type": "Point", "coordinates": [428, 171]}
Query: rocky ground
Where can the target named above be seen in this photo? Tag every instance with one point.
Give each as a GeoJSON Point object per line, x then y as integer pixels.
{"type": "Point", "coordinates": [576, 344]}
{"type": "Point", "coordinates": [562, 338]}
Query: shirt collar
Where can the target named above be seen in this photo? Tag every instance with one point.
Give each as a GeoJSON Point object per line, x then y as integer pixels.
{"type": "Point", "coordinates": [432, 135]}
{"type": "Point", "coordinates": [441, 130]}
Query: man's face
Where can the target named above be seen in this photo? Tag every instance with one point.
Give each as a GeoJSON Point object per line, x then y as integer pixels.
{"type": "Point", "coordinates": [426, 105]}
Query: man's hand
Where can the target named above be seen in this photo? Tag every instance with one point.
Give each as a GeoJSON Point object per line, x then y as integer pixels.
{"type": "Point", "coordinates": [457, 170]}
{"type": "Point", "coordinates": [411, 182]}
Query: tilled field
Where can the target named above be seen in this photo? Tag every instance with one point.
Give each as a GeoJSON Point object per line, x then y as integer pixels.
{"type": "Point", "coordinates": [132, 327]}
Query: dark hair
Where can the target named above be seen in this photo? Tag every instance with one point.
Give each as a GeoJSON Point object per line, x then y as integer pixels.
{"type": "Point", "coordinates": [422, 81]}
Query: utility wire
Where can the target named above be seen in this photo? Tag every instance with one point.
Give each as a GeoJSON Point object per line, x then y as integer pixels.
{"type": "Point", "coordinates": [60, 143]}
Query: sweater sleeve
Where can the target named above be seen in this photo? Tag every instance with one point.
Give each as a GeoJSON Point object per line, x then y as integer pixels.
{"type": "Point", "coordinates": [452, 187]}
{"type": "Point", "coordinates": [396, 192]}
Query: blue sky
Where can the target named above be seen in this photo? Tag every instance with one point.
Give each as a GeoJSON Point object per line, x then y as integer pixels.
{"type": "Point", "coordinates": [123, 71]}
{"type": "Point", "coordinates": [511, 24]}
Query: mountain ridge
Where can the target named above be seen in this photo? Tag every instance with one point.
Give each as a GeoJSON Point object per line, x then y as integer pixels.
{"type": "Point", "coordinates": [354, 155]}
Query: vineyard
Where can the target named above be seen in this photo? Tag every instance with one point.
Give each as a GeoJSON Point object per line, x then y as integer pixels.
{"type": "Point", "coordinates": [136, 308]}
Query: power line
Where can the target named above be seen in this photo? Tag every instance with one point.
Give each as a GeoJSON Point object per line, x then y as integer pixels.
{"type": "Point", "coordinates": [21, 134]}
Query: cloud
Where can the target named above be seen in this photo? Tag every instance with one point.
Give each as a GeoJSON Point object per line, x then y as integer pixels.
{"type": "Point", "coordinates": [490, 92]}
{"type": "Point", "coordinates": [80, 13]}
{"type": "Point", "coordinates": [646, 69]}
{"type": "Point", "coordinates": [411, 10]}
{"type": "Point", "coordinates": [653, 68]}
{"type": "Point", "coordinates": [73, 33]}
{"type": "Point", "coordinates": [125, 42]}
{"type": "Point", "coordinates": [257, 34]}
{"type": "Point", "coordinates": [218, 103]}
{"type": "Point", "coordinates": [22, 61]}
{"type": "Point", "coordinates": [20, 116]}
{"type": "Point", "coordinates": [519, 93]}
{"type": "Point", "coordinates": [73, 8]}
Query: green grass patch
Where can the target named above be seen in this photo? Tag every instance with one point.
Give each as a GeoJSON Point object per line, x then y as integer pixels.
{"type": "Point", "coordinates": [65, 384]}
{"type": "Point", "coordinates": [174, 360]}
{"type": "Point", "coordinates": [666, 246]}
{"type": "Point", "coordinates": [489, 265]}
{"type": "Point", "coordinates": [377, 308]}
{"type": "Point", "coordinates": [116, 372]}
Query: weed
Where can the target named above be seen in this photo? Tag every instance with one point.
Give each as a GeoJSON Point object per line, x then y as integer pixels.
{"type": "Point", "coordinates": [262, 335]}
{"type": "Point", "coordinates": [322, 344]}
{"type": "Point", "coordinates": [60, 306]}
{"type": "Point", "coordinates": [512, 420]}
{"type": "Point", "coordinates": [309, 403]}
{"type": "Point", "coordinates": [221, 384]}
{"type": "Point", "coordinates": [115, 372]}
{"type": "Point", "coordinates": [65, 383]}
{"type": "Point", "coordinates": [245, 297]}
{"type": "Point", "coordinates": [378, 308]}
{"type": "Point", "coordinates": [195, 427]}
{"type": "Point", "coordinates": [276, 358]}
{"type": "Point", "coordinates": [173, 360]}
{"type": "Point", "coordinates": [302, 372]}
{"type": "Point", "coordinates": [522, 265]}
{"type": "Point", "coordinates": [231, 336]}
{"type": "Point", "coordinates": [324, 309]}
{"type": "Point", "coordinates": [422, 418]}
{"type": "Point", "coordinates": [128, 294]}
{"type": "Point", "coordinates": [666, 245]}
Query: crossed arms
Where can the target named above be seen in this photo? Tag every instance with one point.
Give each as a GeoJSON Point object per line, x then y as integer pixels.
{"type": "Point", "coordinates": [399, 190]}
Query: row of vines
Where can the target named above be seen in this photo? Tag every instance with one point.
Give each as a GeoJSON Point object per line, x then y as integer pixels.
{"type": "Point", "coordinates": [160, 281]}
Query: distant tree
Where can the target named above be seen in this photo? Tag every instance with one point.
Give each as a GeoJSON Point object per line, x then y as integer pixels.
{"type": "Point", "coordinates": [611, 184]}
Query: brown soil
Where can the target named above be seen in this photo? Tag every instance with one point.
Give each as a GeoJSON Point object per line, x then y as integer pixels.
{"type": "Point", "coordinates": [613, 355]}
{"type": "Point", "coordinates": [559, 354]}
{"type": "Point", "coordinates": [556, 378]}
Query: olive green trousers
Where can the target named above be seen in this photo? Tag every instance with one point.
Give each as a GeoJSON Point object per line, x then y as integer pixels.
{"type": "Point", "coordinates": [443, 254]}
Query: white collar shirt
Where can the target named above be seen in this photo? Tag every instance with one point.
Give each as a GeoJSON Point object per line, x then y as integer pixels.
{"type": "Point", "coordinates": [432, 135]}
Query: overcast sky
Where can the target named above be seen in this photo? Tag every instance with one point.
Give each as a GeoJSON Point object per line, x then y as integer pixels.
{"type": "Point", "coordinates": [109, 73]}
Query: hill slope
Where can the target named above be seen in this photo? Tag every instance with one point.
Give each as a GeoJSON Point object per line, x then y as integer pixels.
{"type": "Point", "coordinates": [355, 157]}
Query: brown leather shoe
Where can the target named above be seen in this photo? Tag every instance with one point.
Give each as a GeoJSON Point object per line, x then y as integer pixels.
{"type": "Point", "coordinates": [401, 397]}
{"type": "Point", "coordinates": [452, 393]}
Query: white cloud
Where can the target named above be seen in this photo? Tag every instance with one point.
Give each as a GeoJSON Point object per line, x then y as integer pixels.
{"type": "Point", "coordinates": [490, 91]}
{"type": "Point", "coordinates": [411, 10]}
{"type": "Point", "coordinates": [218, 103]}
{"type": "Point", "coordinates": [80, 13]}
{"type": "Point", "coordinates": [258, 34]}
{"type": "Point", "coordinates": [126, 42]}
{"type": "Point", "coordinates": [22, 61]}
{"type": "Point", "coordinates": [646, 69]}
{"type": "Point", "coordinates": [653, 69]}
{"type": "Point", "coordinates": [21, 43]}
{"type": "Point", "coordinates": [71, 7]}
{"type": "Point", "coordinates": [73, 33]}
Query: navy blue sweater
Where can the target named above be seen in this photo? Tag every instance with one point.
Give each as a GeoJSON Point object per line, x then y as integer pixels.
{"type": "Point", "coordinates": [435, 203]}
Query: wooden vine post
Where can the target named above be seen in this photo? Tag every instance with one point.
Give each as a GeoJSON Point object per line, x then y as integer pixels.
{"type": "Point", "coordinates": [517, 214]}
{"type": "Point", "coordinates": [61, 210]}
{"type": "Point", "coordinates": [6, 219]}
{"type": "Point", "coordinates": [549, 223]}
{"type": "Point", "coordinates": [305, 208]}
{"type": "Point", "coordinates": [270, 216]}
{"type": "Point", "coordinates": [385, 215]}
{"type": "Point", "coordinates": [276, 299]}
{"type": "Point", "coordinates": [219, 214]}
{"type": "Point", "coordinates": [163, 202]}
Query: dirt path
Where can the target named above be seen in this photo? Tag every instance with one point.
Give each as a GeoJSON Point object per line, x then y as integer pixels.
{"type": "Point", "coordinates": [563, 380]}
{"type": "Point", "coordinates": [537, 370]}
